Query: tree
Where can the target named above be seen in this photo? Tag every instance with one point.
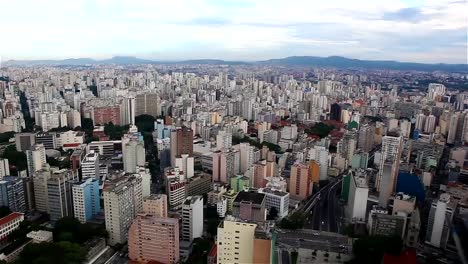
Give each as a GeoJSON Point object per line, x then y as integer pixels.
{"type": "Point", "coordinates": [370, 249]}
{"type": "Point", "coordinates": [272, 213]}
{"type": "Point", "coordinates": [70, 229]}
{"type": "Point", "coordinates": [57, 253]}
{"type": "Point", "coordinates": [15, 158]}
{"type": "Point", "coordinates": [5, 137]}
{"type": "Point", "coordinates": [294, 221]}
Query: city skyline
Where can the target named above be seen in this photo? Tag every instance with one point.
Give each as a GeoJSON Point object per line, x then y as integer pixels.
{"type": "Point", "coordinates": [411, 30]}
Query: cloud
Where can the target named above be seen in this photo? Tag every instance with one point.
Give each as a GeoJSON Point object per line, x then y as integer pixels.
{"type": "Point", "coordinates": [419, 30]}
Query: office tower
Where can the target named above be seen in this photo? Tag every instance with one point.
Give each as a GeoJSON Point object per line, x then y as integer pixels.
{"type": "Point", "coordinates": [181, 142]}
{"type": "Point", "coordinates": [453, 127]}
{"type": "Point", "coordinates": [235, 242]}
{"type": "Point", "coordinates": [357, 197]}
{"type": "Point", "coordinates": [192, 218]}
{"type": "Point", "coordinates": [381, 223]}
{"type": "Point", "coordinates": [12, 193]}
{"type": "Point", "coordinates": [152, 238]}
{"type": "Point", "coordinates": [223, 140]}
{"type": "Point", "coordinates": [300, 182]}
{"type": "Point", "coordinates": [122, 201]}
{"type": "Point", "coordinates": [133, 150]}
{"type": "Point", "coordinates": [40, 179]}
{"type": "Point", "coordinates": [223, 166]}
{"type": "Point", "coordinates": [4, 168]}
{"type": "Point", "coordinates": [107, 114]}
{"type": "Point", "coordinates": [246, 156]}
{"type": "Point", "coordinates": [249, 205]}
{"type": "Point", "coordinates": [59, 195]}
{"type": "Point", "coordinates": [86, 203]}
{"type": "Point", "coordinates": [90, 166]}
{"type": "Point", "coordinates": [388, 183]}
{"type": "Point", "coordinates": [147, 104]}
{"type": "Point", "coordinates": [459, 135]}
{"type": "Point", "coordinates": [390, 154]}
{"type": "Point", "coordinates": [164, 152]}
{"type": "Point", "coordinates": [186, 165]}
{"type": "Point", "coordinates": [435, 90]}
{"type": "Point", "coordinates": [145, 176]}
{"type": "Point", "coordinates": [155, 205]}
{"type": "Point", "coordinates": [74, 118]}
{"type": "Point", "coordinates": [366, 138]}
{"type": "Point", "coordinates": [175, 188]}
{"type": "Point", "coordinates": [335, 112]}
{"type": "Point", "coordinates": [429, 126]}
{"type": "Point", "coordinates": [464, 136]}
{"type": "Point", "coordinates": [24, 141]}
{"type": "Point", "coordinates": [440, 217]}
{"type": "Point", "coordinates": [49, 140]}
{"type": "Point", "coordinates": [276, 198]}
{"type": "Point", "coordinates": [347, 145]}
{"type": "Point", "coordinates": [420, 122]}
{"type": "Point", "coordinates": [36, 158]}
{"type": "Point", "coordinates": [320, 155]}
{"type": "Point", "coordinates": [127, 110]}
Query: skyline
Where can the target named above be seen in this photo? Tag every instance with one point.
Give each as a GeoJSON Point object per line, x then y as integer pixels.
{"type": "Point", "coordinates": [410, 30]}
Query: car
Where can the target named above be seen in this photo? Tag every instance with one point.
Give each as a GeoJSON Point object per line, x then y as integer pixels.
{"type": "Point", "coordinates": [316, 233]}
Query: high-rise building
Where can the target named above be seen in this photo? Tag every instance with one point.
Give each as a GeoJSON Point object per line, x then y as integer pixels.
{"type": "Point", "coordinates": [366, 137]}
{"type": "Point", "coordinates": [320, 155]}
{"type": "Point", "coordinates": [347, 145]}
{"type": "Point", "coordinates": [12, 193]}
{"type": "Point", "coordinates": [133, 150]}
{"type": "Point", "coordinates": [122, 201]}
{"type": "Point", "coordinates": [235, 242]}
{"type": "Point", "coordinates": [152, 238]}
{"type": "Point", "coordinates": [155, 205]}
{"type": "Point", "coordinates": [186, 165]}
{"type": "Point", "coordinates": [440, 217]}
{"type": "Point", "coordinates": [175, 188]}
{"type": "Point", "coordinates": [223, 140]}
{"type": "Point", "coordinates": [335, 112]}
{"type": "Point", "coordinates": [420, 122]}
{"type": "Point", "coordinates": [86, 199]}
{"type": "Point", "coordinates": [223, 166]}
{"type": "Point", "coordinates": [90, 165]}
{"type": "Point", "coordinates": [390, 153]}
{"type": "Point", "coordinates": [147, 104]}
{"type": "Point", "coordinates": [48, 139]}
{"type": "Point", "coordinates": [277, 199]}
{"type": "Point", "coordinates": [357, 197]}
{"type": "Point", "coordinates": [181, 142]}
{"type": "Point", "coordinates": [24, 141]}
{"type": "Point", "coordinates": [429, 126]}
{"type": "Point", "coordinates": [127, 110]}
{"type": "Point", "coordinates": [4, 168]}
{"type": "Point", "coordinates": [36, 158]}
{"type": "Point", "coordinates": [300, 182]}
{"type": "Point", "coordinates": [453, 127]}
{"type": "Point", "coordinates": [106, 114]}
{"type": "Point", "coordinates": [59, 195]}
{"type": "Point", "coordinates": [192, 218]}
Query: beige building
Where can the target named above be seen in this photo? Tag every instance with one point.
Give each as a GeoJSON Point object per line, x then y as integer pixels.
{"type": "Point", "coordinates": [156, 205]}
{"type": "Point", "coordinates": [152, 238]}
{"type": "Point", "coordinates": [235, 242]}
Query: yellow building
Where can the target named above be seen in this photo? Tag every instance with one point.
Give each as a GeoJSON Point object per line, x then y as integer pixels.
{"type": "Point", "coordinates": [235, 242]}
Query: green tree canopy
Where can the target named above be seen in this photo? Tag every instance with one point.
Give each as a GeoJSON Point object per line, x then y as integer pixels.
{"type": "Point", "coordinates": [57, 253]}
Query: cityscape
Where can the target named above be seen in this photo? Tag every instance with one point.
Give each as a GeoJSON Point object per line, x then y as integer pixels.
{"type": "Point", "coordinates": [239, 142]}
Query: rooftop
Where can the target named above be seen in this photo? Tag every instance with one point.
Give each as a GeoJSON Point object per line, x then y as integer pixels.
{"type": "Point", "coordinates": [10, 218]}
{"type": "Point", "coordinates": [254, 197]}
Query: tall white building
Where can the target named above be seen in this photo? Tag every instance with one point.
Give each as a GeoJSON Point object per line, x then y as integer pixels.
{"type": "Point", "coordinates": [123, 199]}
{"type": "Point", "coordinates": [453, 126]}
{"type": "Point", "coordinates": [320, 155]}
{"type": "Point", "coordinates": [192, 218]}
{"type": "Point", "coordinates": [390, 153]}
{"type": "Point", "coordinates": [133, 150]}
{"type": "Point", "coordinates": [90, 165]}
{"type": "Point", "coordinates": [429, 126]}
{"type": "Point", "coordinates": [186, 164]}
{"type": "Point", "coordinates": [276, 198]}
{"type": "Point", "coordinates": [235, 242]}
{"type": "Point", "coordinates": [440, 216]}
{"type": "Point", "coordinates": [420, 121]}
{"type": "Point", "coordinates": [145, 175]}
{"type": "Point", "coordinates": [223, 140]}
{"type": "Point", "coordinates": [357, 197]}
{"type": "Point", "coordinates": [36, 158]}
{"type": "Point", "coordinates": [127, 110]}
{"type": "Point", "coordinates": [4, 168]}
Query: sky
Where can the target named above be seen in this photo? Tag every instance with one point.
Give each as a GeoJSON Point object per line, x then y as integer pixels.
{"type": "Point", "coordinates": [428, 31]}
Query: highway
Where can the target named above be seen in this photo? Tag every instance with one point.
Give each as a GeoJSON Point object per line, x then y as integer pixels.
{"type": "Point", "coordinates": [311, 239]}
{"type": "Point", "coordinates": [323, 209]}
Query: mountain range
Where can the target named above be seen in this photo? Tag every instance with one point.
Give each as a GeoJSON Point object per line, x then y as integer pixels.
{"type": "Point", "coordinates": [332, 61]}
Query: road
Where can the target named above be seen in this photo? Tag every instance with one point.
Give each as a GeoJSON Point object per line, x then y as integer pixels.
{"type": "Point", "coordinates": [324, 210]}
{"type": "Point", "coordinates": [311, 239]}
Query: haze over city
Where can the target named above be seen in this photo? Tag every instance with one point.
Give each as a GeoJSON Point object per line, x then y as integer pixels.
{"type": "Point", "coordinates": [433, 31]}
